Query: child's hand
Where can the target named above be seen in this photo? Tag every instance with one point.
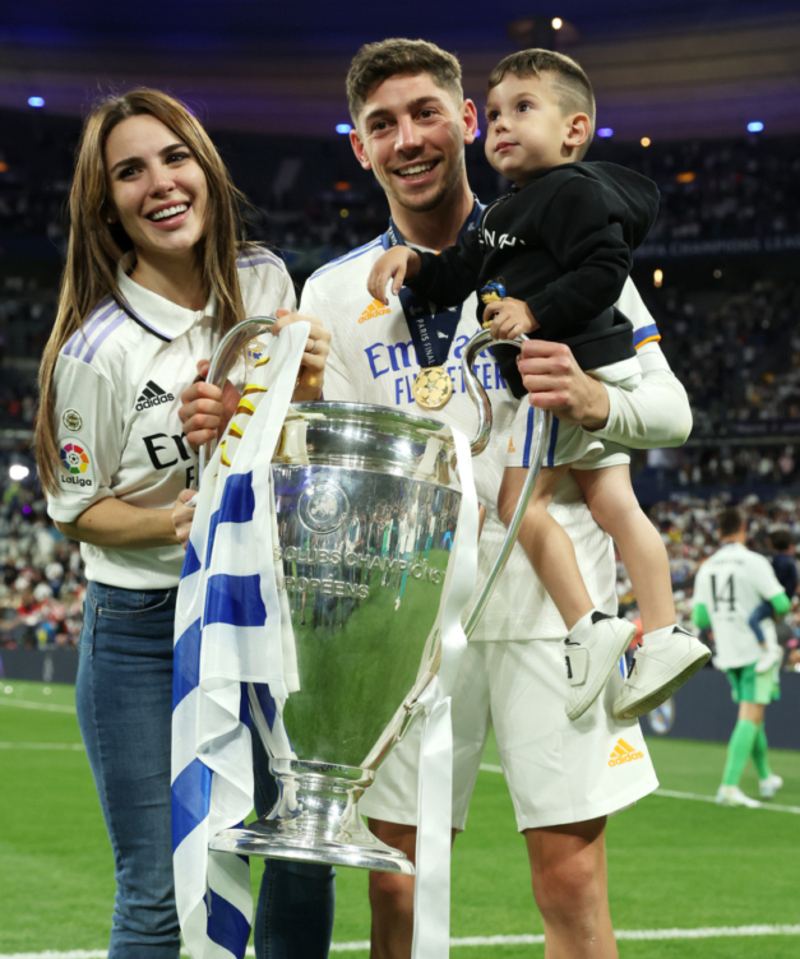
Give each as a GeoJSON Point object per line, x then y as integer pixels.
{"type": "Point", "coordinates": [509, 319]}
{"type": "Point", "coordinates": [398, 264]}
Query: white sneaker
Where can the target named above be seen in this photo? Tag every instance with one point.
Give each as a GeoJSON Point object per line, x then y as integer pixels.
{"type": "Point", "coordinates": [769, 786]}
{"type": "Point", "coordinates": [592, 651]}
{"type": "Point", "coordinates": [733, 796]}
{"type": "Point", "coordinates": [659, 667]}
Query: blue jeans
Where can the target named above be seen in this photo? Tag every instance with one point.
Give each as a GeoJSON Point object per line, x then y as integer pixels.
{"type": "Point", "coordinates": [124, 703]}
{"type": "Point", "coordinates": [762, 611]}
{"type": "Point", "coordinates": [294, 915]}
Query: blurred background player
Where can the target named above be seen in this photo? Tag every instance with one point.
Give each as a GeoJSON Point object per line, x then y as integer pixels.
{"type": "Point", "coordinates": [728, 587]}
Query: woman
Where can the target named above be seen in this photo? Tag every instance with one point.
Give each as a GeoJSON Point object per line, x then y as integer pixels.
{"type": "Point", "coordinates": [156, 272]}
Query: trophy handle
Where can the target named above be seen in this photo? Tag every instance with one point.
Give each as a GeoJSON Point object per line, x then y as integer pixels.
{"type": "Point", "coordinates": [541, 429]}
{"type": "Point", "coordinates": [223, 361]}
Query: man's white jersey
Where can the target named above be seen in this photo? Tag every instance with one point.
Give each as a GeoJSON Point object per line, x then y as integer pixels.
{"type": "Point", "coordinates": [118, 384]}
{"type": "Point", "coordinates": [372, 360]}
{"type": "Point", "coordinates": [731, 584]}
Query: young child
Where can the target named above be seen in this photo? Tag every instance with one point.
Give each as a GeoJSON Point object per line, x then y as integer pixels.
{"type": "Point", "coordinates": [551, 258]}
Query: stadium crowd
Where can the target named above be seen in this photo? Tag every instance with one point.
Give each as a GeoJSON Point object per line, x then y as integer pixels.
{"type": "Point", "coordinates": [737, 353]}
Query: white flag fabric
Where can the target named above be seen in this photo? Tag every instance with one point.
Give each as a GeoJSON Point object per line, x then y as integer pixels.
{"type": "Point", "coordinates": [229, 633]}
{"type": "Point", "coordinates": [431, 938]}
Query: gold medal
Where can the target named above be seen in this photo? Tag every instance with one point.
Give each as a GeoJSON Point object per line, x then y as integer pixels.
{"type": "Point", "coordinates": [433, 387]}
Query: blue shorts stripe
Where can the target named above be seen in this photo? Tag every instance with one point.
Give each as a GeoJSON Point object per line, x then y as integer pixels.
{"type": "Point", "coordinates": [551, 448]}
{"type": "Point", "coordinates": [526, 449]}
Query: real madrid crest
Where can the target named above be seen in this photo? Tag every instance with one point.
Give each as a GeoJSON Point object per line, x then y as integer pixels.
{"type": "Point", "coordinates": [433, 387]}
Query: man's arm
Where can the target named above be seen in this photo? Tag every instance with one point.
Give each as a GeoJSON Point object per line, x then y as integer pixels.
{"type": "Point", "coordinates": [655, 414]}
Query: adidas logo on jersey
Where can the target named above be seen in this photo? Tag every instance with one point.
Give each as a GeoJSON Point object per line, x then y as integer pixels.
{"type": "Point", "coordinates": [511, 447]}
{"type": "Point", "coordinates": [376, 308]}
{"type": "Point", "coordinates": [152, 395]}
{"type": "Point", "coordinates": [624, 753]}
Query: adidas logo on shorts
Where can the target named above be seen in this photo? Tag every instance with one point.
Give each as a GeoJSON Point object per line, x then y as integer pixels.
{"type": "Point", "coordinates": [152, 395]}
{"type": "Point", "coordinates": [624, 753]}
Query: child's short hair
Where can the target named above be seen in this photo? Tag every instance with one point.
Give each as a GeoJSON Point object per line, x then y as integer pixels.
{"type": "Point", "coordinates": [729, 521]}
{"type": "Point", "coordinates": [574, 89]}
{"type": "Point", "coordinates": [376, 62]}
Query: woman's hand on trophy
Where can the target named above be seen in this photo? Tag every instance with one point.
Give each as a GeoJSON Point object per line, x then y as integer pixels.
{"type": "Point", "coordinates": [205, 409]}
{"type": "Point", "coordinates": [312, 367]}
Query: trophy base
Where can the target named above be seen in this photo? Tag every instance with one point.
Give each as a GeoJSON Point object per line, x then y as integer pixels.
{"type": "Point", "coordinates": [280, 840]}
{"type": "Point", "coordinates": [316, 819]}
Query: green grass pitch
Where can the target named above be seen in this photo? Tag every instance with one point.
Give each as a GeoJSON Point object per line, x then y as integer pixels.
{"type": "Point", "coordinates": [673, 863]}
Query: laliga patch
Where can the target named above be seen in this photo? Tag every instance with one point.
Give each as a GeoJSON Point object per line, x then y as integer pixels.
{"type": "Point", "coordinates": [77, 470]}
{"type": "Point", "coordinates": [72, 420]}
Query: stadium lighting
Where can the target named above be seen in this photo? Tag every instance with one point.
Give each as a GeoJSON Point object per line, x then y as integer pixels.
{"type": "Point", "coordinates": [605, 132]}
{"type": "Point", "coordinates": [18, 472]}
{"type": "Point", "coordinates": [343, 128]}
{"type": "Point", "coordinates": [556, 23]}
{"type": "Point", "coordinates": [658, 278]}
{"type": "Point", "coordinates": [645, 141]}
{"type": "Point", "coordinates": [35, 101]}
{"type": "Point", "coordinates": [755, 126]}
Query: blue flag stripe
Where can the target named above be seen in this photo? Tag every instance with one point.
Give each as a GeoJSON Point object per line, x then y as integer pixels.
{"type": "Point", "coordinates": [191, 562]}
{"type": "Point", "coordinates": [234, 601]}
{"type": "Point", "coordinates": [227, 927]}
{"type": "Point", "coordinates": [191, 793]}
{"type": "Point", "coordinates": [186, 665]}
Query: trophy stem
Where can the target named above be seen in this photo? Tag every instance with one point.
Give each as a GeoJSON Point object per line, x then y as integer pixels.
{"type": "Point", "coordinates": [315, 819]}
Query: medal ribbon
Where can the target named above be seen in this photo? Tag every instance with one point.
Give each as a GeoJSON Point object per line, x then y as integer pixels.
{"type": "Point", "coordinates": [432, 330]}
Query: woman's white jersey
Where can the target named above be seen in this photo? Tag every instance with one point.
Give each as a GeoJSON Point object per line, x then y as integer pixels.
{"type": "Point", "coordinates": [117, 386]}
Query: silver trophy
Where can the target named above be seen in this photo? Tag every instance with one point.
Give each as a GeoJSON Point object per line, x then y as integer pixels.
{"type": "Point", "coordinates": [367, 506]}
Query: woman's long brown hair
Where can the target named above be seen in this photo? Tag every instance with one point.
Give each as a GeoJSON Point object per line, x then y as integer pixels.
{"type": "Point", "coordinates": [96, 246]}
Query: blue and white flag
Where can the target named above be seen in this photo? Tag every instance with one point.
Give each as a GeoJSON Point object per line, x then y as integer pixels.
{"type": "Point", "coordinates": [229, 632]}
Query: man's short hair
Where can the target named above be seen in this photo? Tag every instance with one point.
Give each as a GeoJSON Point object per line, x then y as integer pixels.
{"type": "Point", "coordinates": [376, 62]}
{"type": "Point", "coordinates": [730, 521]}
{"type": "Point", "coordinates": [568, 78]}
{"type": "Point", "coordinates": [780, 540]}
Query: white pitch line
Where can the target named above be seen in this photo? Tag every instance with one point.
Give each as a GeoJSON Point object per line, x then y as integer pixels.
{"type": "Point", "coordinates": [641, 935]}
{"type": "Point", "coordinates": [773, 807]}
{"type": "Point", "coordinates": [47, 707]}
{"type": "Point", "coordinates": [672, 794]}
{"type": "Point", "coordinates": [77, 747]}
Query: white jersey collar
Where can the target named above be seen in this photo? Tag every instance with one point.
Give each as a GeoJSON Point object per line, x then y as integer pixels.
{"type": "Point", "coordinates": [155, 313]}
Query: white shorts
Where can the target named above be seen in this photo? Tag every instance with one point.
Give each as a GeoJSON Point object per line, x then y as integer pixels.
{"type": "Point", "coordinates": [569, 443]}
{"type": "Point", "coordinates": [558, 771]}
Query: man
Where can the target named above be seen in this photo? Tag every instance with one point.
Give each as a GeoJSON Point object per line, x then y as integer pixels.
{"type": "Point", "coordinates": [728, 587]}
{"type": "Point", "coordinates": [411, 125]}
